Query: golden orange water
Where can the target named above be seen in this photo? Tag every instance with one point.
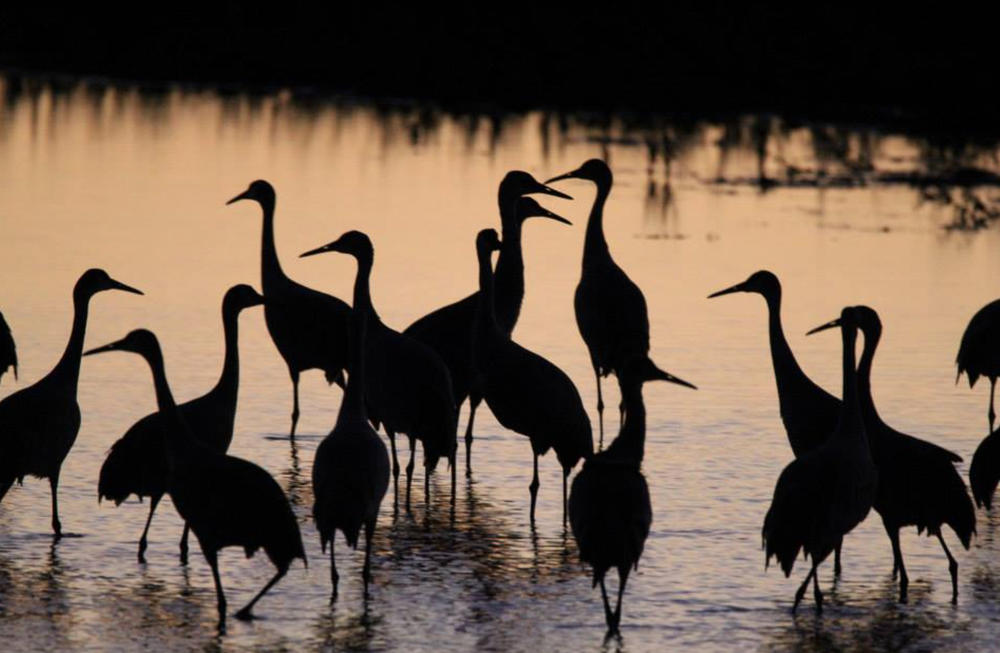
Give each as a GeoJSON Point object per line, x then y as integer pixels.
{"type": "Point", "coordinates": [136, 184]}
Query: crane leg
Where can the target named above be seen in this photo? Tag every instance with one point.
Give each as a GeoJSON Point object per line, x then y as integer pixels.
{"type": "Point", "coordinates": [56, 525]}
{"type": "Point", "coordinates": [153, 502]}
{"type": "Point", "coordinates": [799, 593]}
{"type": "Point", "coordinates": [409, 469]}
{"type": "Point", "coordinates": [295, 403]}
{"type": "Point", "coordinates": [622, 580]}
{"type": "Point", "coordinates": [608, 616]}
{"type": "Point", "coordinates": [992, 413]}
{"type": "Point", "coordinates": [952, 569]}
{"type": "Point", "coordinates": [897, 562]}
{"type": "Point", "coordinates": [600, 409]}
{"type": "Point", "coordinates": [817, 595]}
{"type": "Point", "coordinates": [533, 488]}
{"type": "Point", "coordinates": [395, 463]}
{"type": "Point", "coordinates": [565, 501]}
{"type": "Point", "coordinates": [473, 405]}
{"type": "Point", "coordinates": [212, 557]}
{"type": "Point", "coordinates": [366, 571]}
{"type": "Point", "coordinates": [334, 576]}
{"type": "Point", "coordinates": [452, 461]}
{"type": "Point", "coordinates": [184, 544]}
{"type": "Point", "coordinates": [836, 558]}
{"type": "Point", "coordinates": [621, 414]}
{"type": "Point", "coordinates": [246, 614]}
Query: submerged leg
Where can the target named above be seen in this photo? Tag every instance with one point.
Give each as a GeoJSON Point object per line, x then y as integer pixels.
{"type": "Point", "coordinates": [395, 462]}
{"type": "Point", "coordinates": [533, 488]}
{"type": "Point", "coordinates": [473, 405]}
{"type": "Point", "coordinates": [799, 593]}
{"type": "Point", "coordinates": [366, 571]}
{"type": "Point", "coordinates": [897, 562]}
{"type": "Point", "coordinates": [952, 569]}
{"type": "Point", "coordinates": [334, 576]}
{"type": "Point", "coordinates": [153, 502]}
{"type": "Point", "coordinates": [409, 469]}
{"type": "Point", "coordinates": [295, 402]}
{"type": "Point", "coordinates": [608, 616]}
{"type": "Point", "coordinates": [600, 408]}
{"type": "Point", "coordinates": [56, 525]}
{"type": "Point", "coordinates": [817, 595]}
{"type": "Point", "coordinates": [184, 544]}
{"type": "Point", "coordinates": [212, 557]}
{"type": "Point", "coordinates": [245, 613]}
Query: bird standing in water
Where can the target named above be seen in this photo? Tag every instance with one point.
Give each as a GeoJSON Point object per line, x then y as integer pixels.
{"type": "Point", "coordinates": [39, 424]}
{"type": "Point", "coordinates": [226, 501]}
{"type": "Point", "coordinates": [824, 493]}
{"type": "Point", "coordinates": [918, 484]}
{"type": "Point", "coordinates": [308, 327]}
{"type": "Point", "coordinates": [808, 412]}
{"type": "Point", "coordinates": [407, 386]}
{"type": "Point", "coordinates": [351, 471]}
{"type": "Point", "coordinates": [610, 309]}
{"type": "Point", "coordinates": [609, 508]}
{"type": "Point", "coordinates": [979, 352]}
{"type": "Point", "coordinates": [527, 394]}
{"type": "Point", "coordinates": [448, 330]}
{"type": "Point", "coordinates": [137, 464]}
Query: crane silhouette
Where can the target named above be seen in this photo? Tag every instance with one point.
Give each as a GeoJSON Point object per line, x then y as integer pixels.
{"type": "Point", "coordinates": [8, 352]}
{"type": "Point", "coordinates": [610, 309]}
{"type": "Point", "coordinates": [39, 424]}
{"type": "Point", "coordinates": [824, 493]}
{"type": "Point", "coordinates": [979, 352]}
{"type": "Point", "coordinates": [407, 386]}
{"type": "Point", "coordinates": [351, 471]}
{"type": "Point", "coordinates": [448, 330]}
{"type": "Point", "coordinates": [527, 394]}
{"type": "Point", "coordinates": [309, 328]}
{"type": "Point", "coordinates": [136, 463]}
{"type": "Point", "coordinates": [917, 481]}
{"type": "Point", "coordinates": [609, 508]}
{"type": "Point", "coordinates": [984, 472]}
{"type": "Point", "coordinates": [808, 412]}
{"type": "Point", "coordinates": [226, 501]}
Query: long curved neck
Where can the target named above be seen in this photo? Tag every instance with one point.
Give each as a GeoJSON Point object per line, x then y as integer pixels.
{"type": "Point", "coordinates": [595, 247]}
{"type": "Point", "coordinates": [867, 403]}
{"type": "Point", "coordinates": [270, 269]}
{"type": "Point", "coordinates": [229, 380]}
{"type": "Point", "coordinates": [630, 445]}
{"type": "Point", "coordinates": [69, 365]}
{"type": "Point", "coordinates": [486, 321]}
{"type": "Point", "coordinates": [850, 425]}
{"type": "Point", "coordinates": [787, 372]}
{"type": "Point", "coordinates": [509, 275]}
{"type": "Point", "coordinates": [354, 396]}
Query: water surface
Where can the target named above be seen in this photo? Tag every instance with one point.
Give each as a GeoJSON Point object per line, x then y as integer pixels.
{"type": "Point", "coordinates": [136, 184]}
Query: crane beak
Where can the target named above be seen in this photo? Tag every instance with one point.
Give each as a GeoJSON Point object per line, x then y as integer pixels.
{"type": "Point", "coordinates": [823, 327]}
{"type": "Point", "coordinates": [568, 175]}
{"type": "Point", "coordinates": [109, 347]}
{"type": "Point", "coordinates": [545, 213]}
{"type": "Point", "coordinates": [546, 190]}
{"type": "Point", "coordinates": [660, 375]}
{"type": "Point", "coordinates": [329, 247]}
{"type": "Point", "coordinates": [118, 285]}
{"type": "Point", "coordinates": [740, 287]}
{"type": "Point", "coordinates": [242, 196]}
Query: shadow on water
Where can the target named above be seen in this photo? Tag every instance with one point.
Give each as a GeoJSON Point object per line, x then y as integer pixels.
{"type": "Point", "coordinates": [34, 603]}
{"type": "Point", "coordinates": [875, 622]}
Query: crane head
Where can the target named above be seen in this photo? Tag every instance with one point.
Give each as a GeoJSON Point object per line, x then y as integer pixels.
{"type": "Point", "coordinates": [487, 241]}
{"type": "Point", "coordinates": [139, 341]}
{"type": "Point", "coordinates": [594, 170]}
{"type": "Point", "coordinates": [527, 207]}
{"type": "Point", "coordinates": [239, 297]}
{"type": "Point", "coordinates": [640, 369]}
{"type": "Point", "coordinates": [518, 182]}
{"type": "Point", "coordinates": [96, 280]}
{"type": "Point", "coordinates": [763, 282]}
{"type": "Point", "coordinates": [355, 243]}
{"type": "Point", "coordinates": [848, 320]}
{"type": "Point", "coordinates": [259, 191]}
